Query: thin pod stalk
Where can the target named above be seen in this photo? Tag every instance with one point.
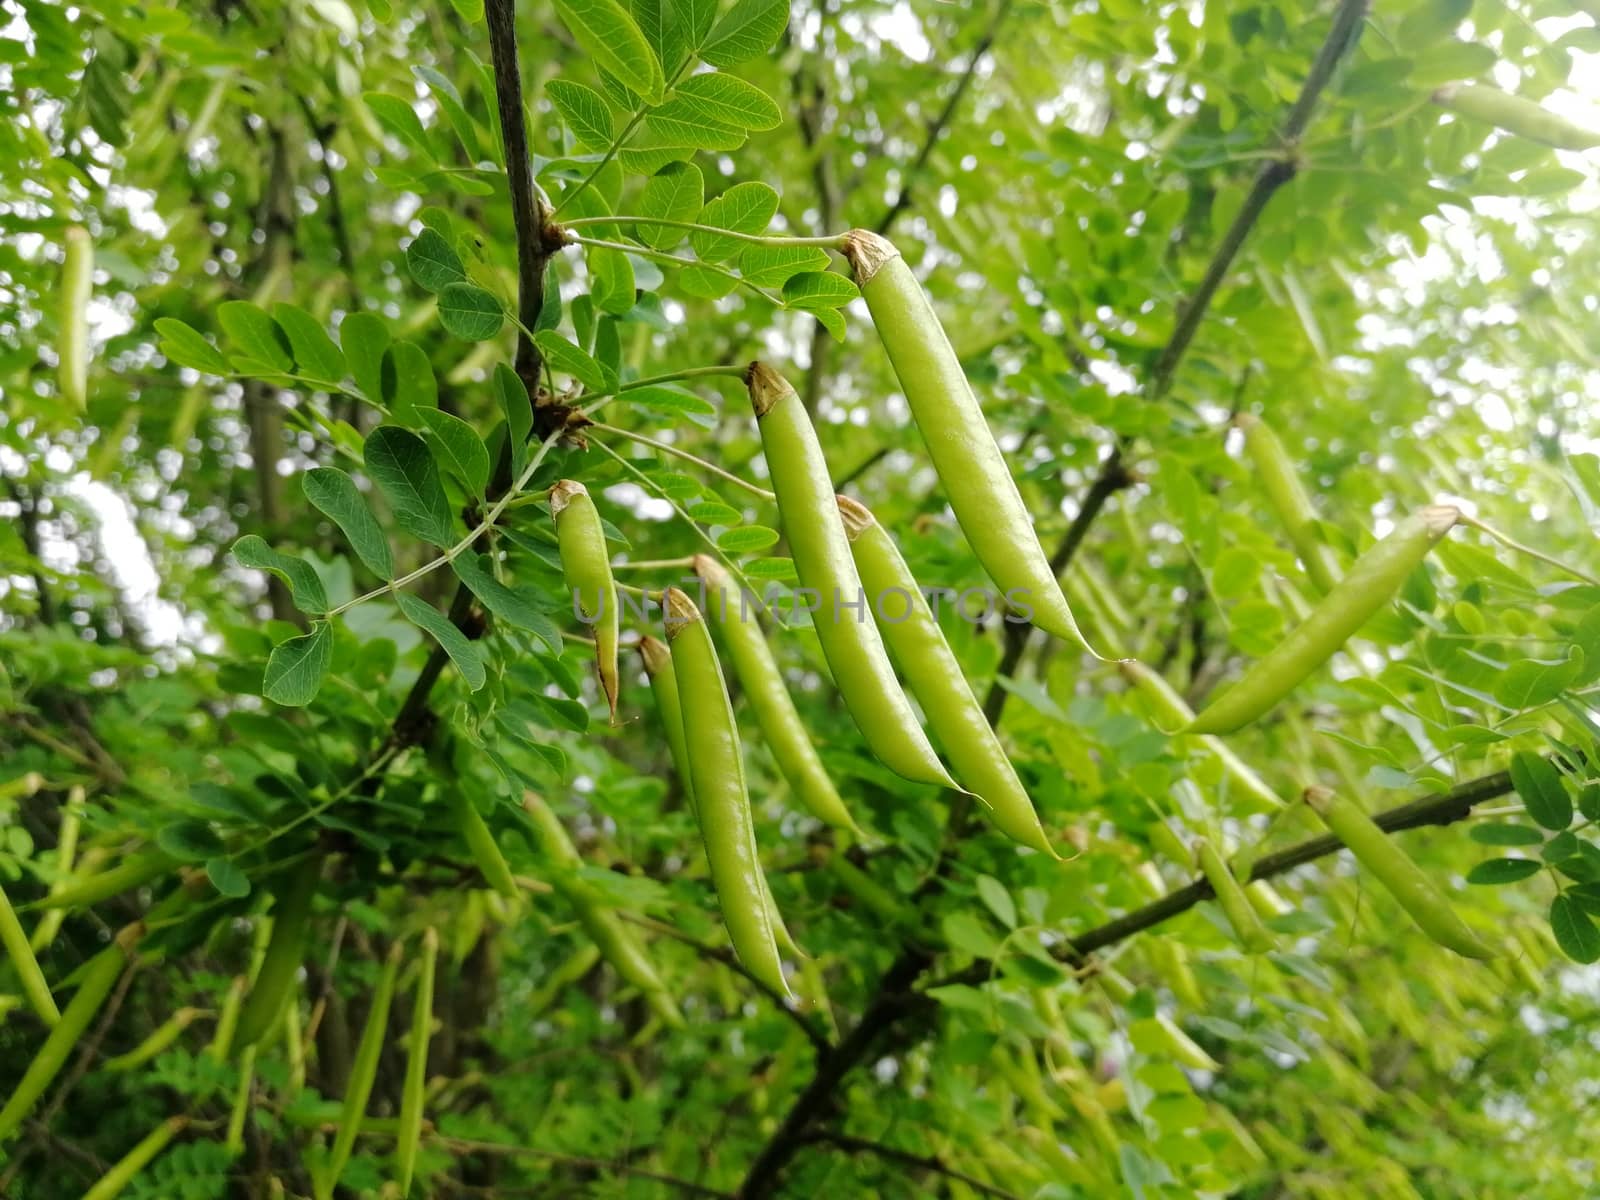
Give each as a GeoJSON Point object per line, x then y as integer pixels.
{"type": "Point", "coordinates": [239, 1114]}
{"type": "Point", "coordinates": [616, 942]}
{"type": "Point", "coordinates": [664, 687]}
{"type": "Point", "coordinates": [1371, 582]}
{"type": "Point", "coordinates": [165, 1035]}
{"type": "Point", "coordinates": [1400, 876]}
{"type": "Point", "coordinates": [100, 974]}
{"type": "Point", "coordinates": [722, 801]}
{"type": "Point", "coordinates": [978, 483]}
{"type": "Point", "coordinates": [586, 566]}
{"type": "Point", "coordinates": [363, 1072]}
{"type": "Point", "coordinates": [77, 289]}
{"type": "Point", "coordinates": [1289, 500]}
{"type": "Point", "coordinates": [934, 673]}
{"type": "Point", "coordinates": [1235, 905]}
{"type": "Point", "coordinates": [821, 551]}
{"type": "Point", "coordinates": [485, 850]}
{"type": "Point", "coordinates": [132, 872]}
{"type": "Point", "coordinates": [1514, 114]}
{"type": "Point", "coordinates": [113, 1182]}
{"type": "Point", "coordinates": [66, 855]}
{"type": "Point", "coordinates": [228, 1019]}
{"type": "Point", "coordinates": [25, 964]}
{"type": "Point", "coordinates": [416, 1082]}
{"type": "Point", "coordinates": [792, 748]}
{"type": "Point", "coordinates": [284, 956]}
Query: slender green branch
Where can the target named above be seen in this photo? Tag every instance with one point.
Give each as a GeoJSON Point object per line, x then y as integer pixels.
{"type": "Point", "coordinates": [832, 241]}
{"type": "Point", "coordinates": [654, 564]}
{"type": "Point", "coordinates": [680, 261]}
{"type": "Point", "coordinates": [669, 448]}
{"type": "Point", "coordinates": [1512, 544]}
{"type": "Point", "coordinates": [598, 400]}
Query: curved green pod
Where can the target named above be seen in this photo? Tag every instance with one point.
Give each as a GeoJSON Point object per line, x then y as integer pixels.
{"type": "Point", "coordinates": [586, 566]}
{"type": "Point", "coordinates": [485, 850]}
{"type": "Point", "coordinates": [1236, 906]}
{"type": "Point", "coordinates": [363, 1072]}
{"type": "Point", "coordinates": [664, 687]}
{"type": "Point", "coordinates": [99, 976]}
{"type": "Point", "coordinates": [132, 872]}
{"type": "Point", "coordinates": [286, 952]}
{"type": "Point", "coordinates": [978, 483]}
{"type": "Point", "coordinates": [735, 618]}
{"type": "Point", "coordinates": [1289, 501]}
{"type": "Point", "coordinates": [722, 803]}
{"type": "Point", "coordinates": [163, 1037]}
{"type": "Point", "coordinates": [616, 943]}
{"type": "Point", "coordinates": [26, 965]}
{"type": "Point", "coordinates": [77, 289]}
{"type": "Point", "coordinates": [113, 1182]}
{"type": "Point", "coordinates": [1400, 876]}
{"type": "Point", "coordinates": [849, 637]}
{"type": "Point", "coordinates": [934, 673]}
{"type": "Point", "coordinates": [414, 1089]}
{"type": "Point", "coordinates": [1371, 582]}
{"type": "Point", "coordinates": [1515, 114]}
{"type": "Point", "coordinates": [66, 857]}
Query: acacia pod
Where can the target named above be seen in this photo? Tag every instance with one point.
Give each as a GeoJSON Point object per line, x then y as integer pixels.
{"type": "Point", "coordinates": [111, 1184]}
{"type": "Point", "coordinates": [163, 1037]}
{"type": "Point", "coordinates": [1400, 876]}
{"type": "Point", "coordinates": [616, 942]}
{"type": "Point", "coordinates": [978, 483]}
{"type": "Point", "coordinates": [852, 645]}
{"type": "Point", "coordinates": [1289, 500]}
{"type": "Point", "coordinates": [485, 850]}
{"type": "Point", "coordinates": [1235, 904]}
{"type": "Point", "coordinates": [1160, 1034]}
{"type": "Point", "coordinates": [132, 872]}
{"type": "Point", "coordinates": [1371, 582]}
{"type": "Point", "coordinates": [291, 921]}
{"type": "Point", "coordinates": [77, 288]}
{"type": "Point", "coordinates": [586, 566]}
{"type": "Point", "coordinates": [664, 687]}
{"type": "Point", "coordinates": [26, 965]}
{"type": "Point", "coordinates": [233, 1136]}
{"type": "Point", "coordinates": [934, 673]}
{"type": "Point", "coordinates": [722, 803]}
{"type": "Point", "coordinates": [228, 1018]}
{"type": "Point", "coordinates": [99, 975]}
{"type": "Point", "coordinates": [416, 1081]}
{"type": "Point", "coordinates": [363, 1072]}
{"type": "Point", "coordinates": [739, 626]}
{"type": "Point", "coordinates": [1514, 114]}
{"type": "Point", "coordinates": [1264, 898]}
{"type": "Point", "coordinates": [66, 855]}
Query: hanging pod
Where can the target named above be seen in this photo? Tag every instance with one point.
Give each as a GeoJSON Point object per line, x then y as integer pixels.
{"type": "Point", "coordinates": [163, 1037]}
{"type": "Point", "coordinates": [616, 942]}
{"type": "Point", "coordinates": [25, 964]}
{"type": "Point", "coordinates": [480, 841]}
{"type": "Point", "coordinates": [1371, 582]}
{"type": "Point", "coordinates": [363, 1072]}
{"type": "Point", "coordinates": [99, 975]}
{"type": "Point", "coordinates": [931, 668]}
{"type": "Point", "coordinates": [1235, 904]}
{"type": "Point", "coordinates": [716, 765]}
{"type": "Point", "coordinates": [1514, 114]}
{"type": "Point", "coordinates": [412, 1092]}
{"type": "Point", "coordinates": [286, 952]}
{"type": "Point", "coordinates": [850, 640]}
{"type": "Point", "coordinates": [77, 289]}
{"type": "Point", "coordinates": [737, 619]}
{"type": "Point", "coordinates": [111, 1184]}
{"type": "Point", "coordinates": [586, 566]}
{"type": "Point", "coordinates": [664, 687]}
{"type": "Point", "coordinates": [977, 481]}
{"type": "Point", "coordinates": [1289, 500]}
{"type": "Point", "coordinates": [1395, 870]}
{"type": "Point", "coordinates": [132, 872]}
{"type": "Point", "coordinates": [66, 856]}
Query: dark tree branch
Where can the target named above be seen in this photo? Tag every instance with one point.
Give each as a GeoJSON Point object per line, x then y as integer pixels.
{"type": "Point", "coordinates": [922, 1162]}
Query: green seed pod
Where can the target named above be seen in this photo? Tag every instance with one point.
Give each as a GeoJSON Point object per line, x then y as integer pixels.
{"type": "Point", "coordinates": [934, 673]}
{"type": "Point", "coordinates": [166, 1033]}
{"type": "Point", "coordinates": [716, 764]}
{"type": "Point", "coordinates": [15, 942]}
{"type": "Point", "coordinates": [363, 1072]}
{"type": "Point", "coordinates": [1247, 926]}
{"type": "Point", "coordinates": [849, 637]}
{"type": "Point", "coordinates": [1395, 870]}
{"type": "Point", "coordinates": [1514, 114]}
{"type": "Point", "coordinates": [416, 1081]}
{"type": "Point", "coordinates": [233, 1136]}
{"type": "Point", "coordinates": [586, 565]}
{"type": "Point", "coordinates": [99, 975]}
{"type": "Point", "coordinates": [1372, 581]}
{"type": "Point", "coordinates": [485, 850]}
{"type": "Point", "coordinates": [66, 854]}
{"type": "Point", "coordinates": [285, 954]}
{"type": "Point", "coordinates": [134, 872]}
{"type": "Point", "coordinates": [762, 682]}
{"type": "Point", "coordinates": [1289, 500]}
{"type": "Point", "coordinates": [617, 943]}
{"type": "Point", "coordinates": [228, 1019]}
{"type": "Point", "coordinates": [111, 1184]}
{"type": "Point", "coordinates": [1161, 1035]}
{"type": "Point", "coordinates": [77, 289]}
{"type": "Point", "coordinates": [977, 480]}
{"type": "Point", "coordinates": [1264, 898]}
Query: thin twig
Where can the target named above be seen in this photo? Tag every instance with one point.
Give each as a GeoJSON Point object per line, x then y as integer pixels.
{"type": "Point", "coordinates": [679, 452]}
{"type": "Point", "coordinates": [923, 1162]}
